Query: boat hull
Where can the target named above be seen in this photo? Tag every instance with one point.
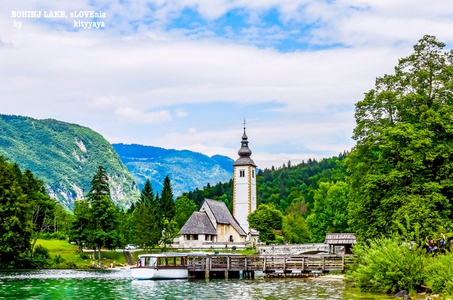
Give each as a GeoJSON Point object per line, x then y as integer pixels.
{"type": "Point", "coordinates": [145, 273]}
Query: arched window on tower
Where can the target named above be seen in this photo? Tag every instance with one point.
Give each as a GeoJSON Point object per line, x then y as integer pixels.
{"type": "Point", "coordinates": [242, 173]}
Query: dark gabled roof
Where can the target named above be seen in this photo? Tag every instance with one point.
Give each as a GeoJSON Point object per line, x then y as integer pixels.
{"type": "Point", "coordinates": [222, 215]}
{"type": "Point", "coordinates": [340, 239]}
{"type": "Point", "coordinates": [198, 223]}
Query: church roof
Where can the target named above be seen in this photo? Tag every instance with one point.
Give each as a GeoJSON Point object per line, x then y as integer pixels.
{"type": "Point", "coordinates": [222, 215]}
{"type": "Point", "coordinates": [198, 223]}
{"type": "Point", "coordinates": [244, 153]}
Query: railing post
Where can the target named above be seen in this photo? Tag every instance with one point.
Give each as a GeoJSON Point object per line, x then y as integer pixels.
{"type": "Point", "coordinates": [207, 267]}
{"type": "Point", "coordinates": [342, 263]}
{"type": "Point", "coordinates": [246, 263]}
{"type": "Point", "coordinates": [284, 266]}
{"type": "Point", "coordinates": [303, 264]}
{"type": "Point", "coordinates": [264, 265]}
{"type": "Point", "coordinates": [323, 263]}
{"type": "Point", "coordinates": [227, 267]}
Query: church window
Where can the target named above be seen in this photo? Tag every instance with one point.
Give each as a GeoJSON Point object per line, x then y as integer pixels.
{"type": "Point", "coordinates": [242, 173]}
{"type": "Point", "coordinates": [253, 173]}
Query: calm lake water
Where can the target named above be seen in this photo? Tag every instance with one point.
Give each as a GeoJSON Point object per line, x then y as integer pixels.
{"type": "Point", "coordinates": [118, 284]}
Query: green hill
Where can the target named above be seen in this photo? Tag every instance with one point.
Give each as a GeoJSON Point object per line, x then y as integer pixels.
{"type": "Point", "coordinates": [65, 156]}
{"type": "Point", "coordinates": [188, 170]}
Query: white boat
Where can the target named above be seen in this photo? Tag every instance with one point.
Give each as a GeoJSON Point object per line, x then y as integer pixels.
{"type": "Point", "coordinates": [161, 266]}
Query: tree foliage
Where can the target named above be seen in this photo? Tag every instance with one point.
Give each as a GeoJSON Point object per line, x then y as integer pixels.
{"type": "Point", "coordinates": [82, 226]}
{"type": "Point", "coordinates": [97, 218]}
{"type": "Point", "coordinates": [330, 212]}
{"type": "Point", "coordinates": [148, 219]}
{"type": "Point", "coordinates": [266, 219]}
{"type": "Point", "coordinates": [402, 162]}
{"type": "Point", "coordinates": [167, 200]}
{"type": "Point", "coordinates": [184, 208]}
{"type": "Point", "coordinates": [25, 211]}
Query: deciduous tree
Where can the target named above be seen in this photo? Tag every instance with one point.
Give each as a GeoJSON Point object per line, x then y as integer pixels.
{"type": "Point", "coordinates": [330, 213]}
{"type": "Point", "coordinates": [266, 219]}
{"type": "Point", "coordinates": [402, 162]}
{"type": "Point", "coordinates": [184, 209]}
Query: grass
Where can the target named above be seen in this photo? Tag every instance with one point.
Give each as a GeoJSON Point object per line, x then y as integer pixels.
{"type": "Point", "coordinates": [81, 260]}
{"type": "Point", "coordinates": [67, 251]}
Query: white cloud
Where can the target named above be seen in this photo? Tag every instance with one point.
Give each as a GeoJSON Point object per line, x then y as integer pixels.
{"type": "Point", "coordinates": [121, 80]}
{"type": "Point", "coordinates": [181, 113]}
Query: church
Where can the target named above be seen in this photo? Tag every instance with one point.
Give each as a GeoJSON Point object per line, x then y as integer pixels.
{"type": "Point", "coordinates": [213, 223]}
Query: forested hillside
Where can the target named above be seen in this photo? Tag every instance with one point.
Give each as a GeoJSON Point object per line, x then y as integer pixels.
{"type": "Point", "coordinates": [188, 170]}
{"type": "Point", "coordinates": [65, 156]}
{"type": "Point", "coordinates": [283, 185]}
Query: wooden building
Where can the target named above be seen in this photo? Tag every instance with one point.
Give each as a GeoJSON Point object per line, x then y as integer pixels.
{"type": "Point", "coordinates": [345, 240]}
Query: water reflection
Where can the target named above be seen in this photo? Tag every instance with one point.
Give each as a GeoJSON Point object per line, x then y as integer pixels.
{"type": "Point", "coordinates": [118, 284]}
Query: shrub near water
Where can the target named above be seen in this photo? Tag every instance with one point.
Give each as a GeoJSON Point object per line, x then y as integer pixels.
{"type": "Point", "coordinates": [385, 265]}
{"type": "Point", "coordinates": [439, 272]}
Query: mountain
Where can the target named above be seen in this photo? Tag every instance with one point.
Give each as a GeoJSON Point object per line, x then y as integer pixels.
{"type": "Point", "coordinates": [225, 162]}
{"type": "Point", "coordinates": [187, 170]}
{"type": "Point", "coordinates": [65, 156]}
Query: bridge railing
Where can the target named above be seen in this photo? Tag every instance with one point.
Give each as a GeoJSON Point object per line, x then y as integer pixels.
{"type": "Point", "coordinates": [268, 263]}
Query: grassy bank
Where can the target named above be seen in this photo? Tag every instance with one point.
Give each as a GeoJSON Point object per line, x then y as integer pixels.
{"type": "Point", "coordinates": [70, 256]}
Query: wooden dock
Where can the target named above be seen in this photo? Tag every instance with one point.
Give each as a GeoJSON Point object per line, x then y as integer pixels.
{"type": "Point", "coordinates": [231, 266]}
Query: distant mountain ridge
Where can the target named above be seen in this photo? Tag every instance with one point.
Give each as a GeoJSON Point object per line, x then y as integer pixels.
{"type": "Point", "coordinates": [187, 169]}
{"type": "Point", "coordinates": [65, 156]}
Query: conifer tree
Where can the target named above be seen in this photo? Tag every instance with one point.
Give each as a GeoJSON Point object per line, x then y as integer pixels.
{"type": "Point", "coordinates": [105, 213]}
{"type": "Point", "coordinates": [147, 218]}
{"type": "Point", "coordinates": [167, 201]}
{"type": "Point", "coordinates": [99, 186]}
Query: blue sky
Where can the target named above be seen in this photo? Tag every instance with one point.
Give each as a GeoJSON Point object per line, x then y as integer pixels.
{"type": "Point", "coordinates": [184, 74]}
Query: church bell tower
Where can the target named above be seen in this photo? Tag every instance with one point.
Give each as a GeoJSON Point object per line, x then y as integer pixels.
{"type": "Point", "coordinates": [244, 190]}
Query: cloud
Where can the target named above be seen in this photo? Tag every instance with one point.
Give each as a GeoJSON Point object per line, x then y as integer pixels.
{"type": "Point", "coordinates": [143, 70]}
{"type": "Point", "coordinates": [181, 113]}
{"type": "Point", "coordinates": [133, 115]}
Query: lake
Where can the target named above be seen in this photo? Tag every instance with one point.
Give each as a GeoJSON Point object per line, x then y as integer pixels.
{"type": "Point", "coordinates": [118, 284]}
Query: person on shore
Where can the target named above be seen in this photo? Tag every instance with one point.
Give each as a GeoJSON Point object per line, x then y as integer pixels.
{"type": "Point", "coordinates": [442, 241]}
{"type": "Point", "coordinates": [431, 246]}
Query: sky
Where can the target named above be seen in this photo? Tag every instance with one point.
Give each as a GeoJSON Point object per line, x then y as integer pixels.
{"type": "Point", "coordinates": [185, 74]}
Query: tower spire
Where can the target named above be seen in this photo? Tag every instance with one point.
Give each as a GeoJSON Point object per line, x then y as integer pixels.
{"type": "Point", "coordinates": [244, 152]}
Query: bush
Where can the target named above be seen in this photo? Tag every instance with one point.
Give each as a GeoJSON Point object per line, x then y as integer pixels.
{"type": "Point", "coordinates": [385, 265]}
{"type": "Point", "coordinates": [439, 272]}
{"type": "Point", "coordinates": [41, 257]}
{"type": "Point", "coordinates": [53, 235]}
